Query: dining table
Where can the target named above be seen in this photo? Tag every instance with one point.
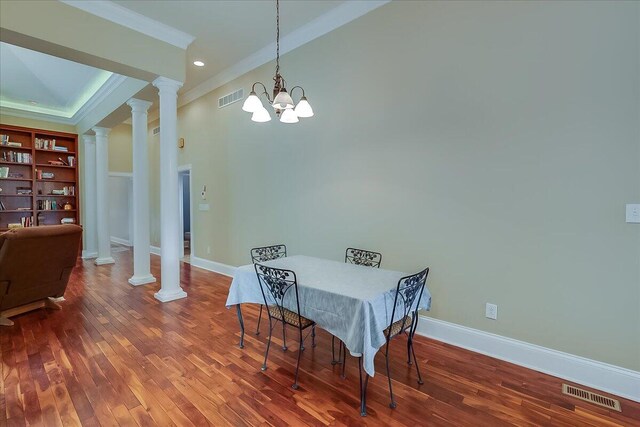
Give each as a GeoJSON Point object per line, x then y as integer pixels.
{"type": "Point", "coordinates": [352, 302]}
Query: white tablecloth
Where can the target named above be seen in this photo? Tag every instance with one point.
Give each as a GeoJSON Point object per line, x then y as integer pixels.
{"type": "Point", "coordinates": [352, 302]}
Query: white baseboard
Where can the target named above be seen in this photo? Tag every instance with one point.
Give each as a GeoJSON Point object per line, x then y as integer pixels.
{"type": "Point", "coordinates": [216, 267]}
{"type": "Point", "coordinates": [89, 255]}
{"type": "Point", "coordinates": [120, 241]}
{"type": "Point", "coordinates": [591, 373]}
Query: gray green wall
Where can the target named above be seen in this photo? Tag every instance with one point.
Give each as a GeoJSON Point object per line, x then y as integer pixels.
{"type": "Point", "coordinates": [496, 142]}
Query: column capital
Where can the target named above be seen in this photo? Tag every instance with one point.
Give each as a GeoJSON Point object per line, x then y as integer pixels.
{"type": "Point", "coordinates": [101, 131]}
{"type": "Point", "coordinates": [88, 139]}
{"type": "Point", "coordinates": [138, 105]}
{"type": "Point", "coordinates": [165, 84]}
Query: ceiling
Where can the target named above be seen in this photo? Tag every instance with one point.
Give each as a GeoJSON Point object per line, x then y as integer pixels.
{"type": "Point", "coordinates": [226, 32]}
{"type": "Point", "coordinates": [230, 37]}
{"type": "Point", "coordinates": [39, 83]}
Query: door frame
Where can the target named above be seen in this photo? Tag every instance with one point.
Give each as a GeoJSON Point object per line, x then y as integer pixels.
{"type": "Point", "coordinates": [181, 170]}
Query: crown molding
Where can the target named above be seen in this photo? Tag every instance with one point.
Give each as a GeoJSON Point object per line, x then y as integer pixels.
{"type": "Point", "coordinates": [112, 83]}
{"type": "Point", "coordinates": [35, 116]}
{"type": "Point", "coordinates": [101, 94]}
{"type": "Point", "coordinates": [133, 20]}
{"type": "Point", "coordinates": [325, 23]}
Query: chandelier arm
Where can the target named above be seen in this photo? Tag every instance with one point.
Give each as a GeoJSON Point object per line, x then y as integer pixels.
{"type": "Point", "coordinates": [264, 89]}
{"type": "Point", "coordinates": [296, 87]}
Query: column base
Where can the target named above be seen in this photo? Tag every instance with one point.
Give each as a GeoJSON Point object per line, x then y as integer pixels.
{"type": "Point", "coordinates": [164, 296]}
{"type": "Point", "coordinates": [89, 255]}
{"type": "Point", "coordinates": [104, 261]}
{"type": "Point", "coordinates": [141, 280]}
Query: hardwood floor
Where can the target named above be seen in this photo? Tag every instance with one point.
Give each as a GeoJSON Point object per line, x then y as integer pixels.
{"type": "Point", "coordinates": [116, 356]}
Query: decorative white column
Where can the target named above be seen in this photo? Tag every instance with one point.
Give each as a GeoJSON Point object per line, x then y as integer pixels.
{"type": "Point", "coordinates": [89, 196]}
{"type": "Point", "coordinates": [169, 210]}
{"type": "Point", "coordinates": [141, 241]}
{"type": "Point", "coordinates": [102, 196]}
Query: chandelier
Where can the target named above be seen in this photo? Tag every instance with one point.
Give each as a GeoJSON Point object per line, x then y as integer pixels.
{"type": "Point", "coordinates": [282, 101]}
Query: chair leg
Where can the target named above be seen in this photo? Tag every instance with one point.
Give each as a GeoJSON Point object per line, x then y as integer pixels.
{"type": "Point", "coordinates": [284, 337]}
{"type": "Point", "coordinates": [259, 319]}
{"type": "Point", "coordinates": [295, 383]}
{"type": "Point", "coordinates": [266, 353]}
{"type": "Point", "coordinates": [313, 336]}
{"type": "Point", "coordinates": [392, 405]}
{"type": "Point", "coordinates": [409, 350]}
{"type": "Point", "coordinates": [344, 360]}
{"type": "Point", "coordinates": [414, 326]}
{"type": "Point", "coordinates": [417, 364]}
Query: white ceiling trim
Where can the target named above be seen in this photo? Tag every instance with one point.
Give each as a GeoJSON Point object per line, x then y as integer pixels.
{"type": "Point", "coordinates": [329, 21]}
{"type": "Point", "coordinates": [133, 20]}
{"type": "Point", "coordinates": [110, 85]}
{"type": "Point", "coordinates": [105, 90]}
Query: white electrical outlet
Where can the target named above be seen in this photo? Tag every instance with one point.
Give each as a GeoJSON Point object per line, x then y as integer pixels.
{"type": "Point", "coordinates": [491, 311]}
{"type": "Point", "coordinates": [633, 214]}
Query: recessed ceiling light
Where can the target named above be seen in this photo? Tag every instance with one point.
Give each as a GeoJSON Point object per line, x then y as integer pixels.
{"type": "Point", "coordinates": [198, 63]}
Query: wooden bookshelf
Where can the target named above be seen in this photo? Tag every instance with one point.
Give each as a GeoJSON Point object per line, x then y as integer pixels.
{"type": "Point", "coordinates": [25, 176]}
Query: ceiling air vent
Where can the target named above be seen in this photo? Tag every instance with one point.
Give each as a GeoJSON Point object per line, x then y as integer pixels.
{"type": "Point", "coordinates": [156, 131]}
{"type": "Point", "coordinates": [231, 98]}
{"type": "Point", "coordinates": [590, 397]}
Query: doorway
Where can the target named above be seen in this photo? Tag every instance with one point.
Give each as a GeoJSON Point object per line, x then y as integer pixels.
{"type": "Point", "coordinates": [186, 236]}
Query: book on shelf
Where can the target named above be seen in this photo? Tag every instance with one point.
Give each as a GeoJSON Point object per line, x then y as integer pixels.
{"type": "Point", "coordinates": [44, 175]}
{"type": "Point", "coordinates": [60, 148]}
{"type": "Point", "coordinates": [45, 144]}
{"type": "Point", "coordinates": [64, 191]}
{"type": "Point", "coordinates": [48, 205]}
{"type": "Point", "coordinates": [4, 139]}
{"type": "Point", "coordinates": [23, 190]}
{"type": "Point", "coordinates": [14, 144]}
{"type": "Point", "coordinates": [16, 157]}
{"type": "Point", "coordinates": [26, 221]}
{"type": "Point", "coordinates": [13, 225]}
{"type": "Point", "coordinates": [2, 206]}
{"type": "Point", "coordinates": [68, 221]}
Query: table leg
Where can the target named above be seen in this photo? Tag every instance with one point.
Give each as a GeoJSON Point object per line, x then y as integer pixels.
{"type": "Point", "coordinates": [239, 311]}
{"type": "Point", "coordinates": [363, 390]}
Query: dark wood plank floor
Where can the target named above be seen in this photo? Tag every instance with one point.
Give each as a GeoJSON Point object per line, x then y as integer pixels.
{"type": "Point", "coordinates": [116, 356]}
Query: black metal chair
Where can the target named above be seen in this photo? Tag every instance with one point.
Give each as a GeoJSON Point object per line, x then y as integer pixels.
{"type": "Point", "coordinates": [278, 283]}
{"type": "Point", "coordinates": [363, 257]}
{"type": "Point", "coordinates": [408, 294]}
{"type": "Point", "coordinates": [358, 257]}
{"type": "Point", "coordinates": [263, 254]}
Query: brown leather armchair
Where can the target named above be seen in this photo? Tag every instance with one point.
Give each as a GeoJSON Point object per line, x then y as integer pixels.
{"type": "Point", "coordinates": [35, 265]}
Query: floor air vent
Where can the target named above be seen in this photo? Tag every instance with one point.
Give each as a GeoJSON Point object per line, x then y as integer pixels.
{"type": "Point", "coordinates": [231, 98]}
{"type": "Point", "coordinates": [588, 396]}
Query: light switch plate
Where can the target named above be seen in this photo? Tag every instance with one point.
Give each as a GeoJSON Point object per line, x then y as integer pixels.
{"type": "Point", "coordinates": [203, 206]}
{"type": "Point", "coordinates": [633, 213]}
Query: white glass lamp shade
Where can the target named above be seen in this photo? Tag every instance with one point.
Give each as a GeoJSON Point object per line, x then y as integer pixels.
{"type": "Point", "coordinates": [283, 101]}
{"type": "Point", "coordinates": [289, 116]}
{"type": "Point", "coordinates": [261, 115]}
{"type": "Point", "coordinates": [303, 109]}
{"type": "Point", "coordinates": [252, 103]}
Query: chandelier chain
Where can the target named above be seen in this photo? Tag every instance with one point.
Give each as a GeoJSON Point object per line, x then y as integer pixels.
{"type": "Point", "coordinates": [277, 37]}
